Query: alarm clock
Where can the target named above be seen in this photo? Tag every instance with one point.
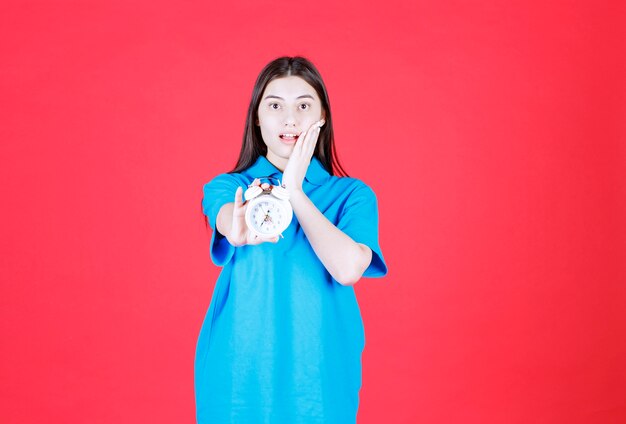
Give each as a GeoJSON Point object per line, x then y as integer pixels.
{"type": "Point", "coordinates": [268, 211]}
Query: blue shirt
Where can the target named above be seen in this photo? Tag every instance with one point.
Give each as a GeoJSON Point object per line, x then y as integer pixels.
{"type": "Point", "coordinates": [282, 339]}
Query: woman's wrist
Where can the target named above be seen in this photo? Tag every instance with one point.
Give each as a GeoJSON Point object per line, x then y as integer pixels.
{"type": "Point", "coordinates": [297, 192]}
{"type": "Point", "coordinates": [296, 198]}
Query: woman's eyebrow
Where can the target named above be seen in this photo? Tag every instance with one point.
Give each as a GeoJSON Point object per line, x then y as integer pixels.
{"type": "Point", "coordinates": [271, 96]}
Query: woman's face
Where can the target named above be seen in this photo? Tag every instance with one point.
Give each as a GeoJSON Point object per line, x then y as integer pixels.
{"type": "Point", "coordinates": [289, 106]}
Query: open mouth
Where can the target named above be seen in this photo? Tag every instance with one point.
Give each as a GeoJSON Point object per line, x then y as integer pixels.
{"type": "Point", "coordinates": [289, 137]}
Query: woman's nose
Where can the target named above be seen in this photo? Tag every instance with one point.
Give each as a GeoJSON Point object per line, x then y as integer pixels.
{"type": "Point", "coordinates": [289, 118]}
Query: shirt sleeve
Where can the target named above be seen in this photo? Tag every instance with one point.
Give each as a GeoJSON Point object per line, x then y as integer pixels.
{"type": "Point", "coordinates": [216, 193]}
{"type": "Point", "coordinates": [359, 220]}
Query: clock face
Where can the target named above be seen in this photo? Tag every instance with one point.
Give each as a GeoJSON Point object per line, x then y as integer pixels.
{"type": "Point", "coordinates": [268, 216]}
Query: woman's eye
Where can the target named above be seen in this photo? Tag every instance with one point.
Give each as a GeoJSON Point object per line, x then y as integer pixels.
{"type": "Point", "coordinates": [304, 106]}
{"type": "Point", "coordinates": [274, 105]}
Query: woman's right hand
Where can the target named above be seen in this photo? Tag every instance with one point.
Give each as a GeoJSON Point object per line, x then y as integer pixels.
{"type": "Point", "coordinates": [240, 234]}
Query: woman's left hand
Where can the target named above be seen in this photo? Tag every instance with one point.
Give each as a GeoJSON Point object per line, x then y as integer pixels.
{"type": "Point", "coordinates": [301, 157]}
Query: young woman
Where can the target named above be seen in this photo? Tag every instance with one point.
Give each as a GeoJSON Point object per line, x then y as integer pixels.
{"type": "Point", "coordinates": [283, 336]}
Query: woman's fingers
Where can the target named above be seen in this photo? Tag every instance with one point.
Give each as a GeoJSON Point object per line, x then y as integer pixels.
{"type": "Point", "coordinates": [308, 139]}
{"type": "Point", "coordinates": [300, 141]}
{"type": "Point", "coordinates": [305, 147]}
{"type": "Point", "coordinates": [269, 240]}
{"type": "Point", "coordinates": [313, 133]}
{"type": "Point", "coordinates": [255, 239]}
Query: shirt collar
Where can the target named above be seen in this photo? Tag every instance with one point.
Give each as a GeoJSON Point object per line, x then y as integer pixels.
{"type": "Point", "coordinates": [316, 173]}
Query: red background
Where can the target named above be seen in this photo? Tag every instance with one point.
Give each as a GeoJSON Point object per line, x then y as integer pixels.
{"type": "Point", "coordinates": [492, 132]}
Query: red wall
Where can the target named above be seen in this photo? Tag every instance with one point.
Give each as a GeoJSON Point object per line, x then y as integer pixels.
{"type": "Point", "coordinates": [492, 132]}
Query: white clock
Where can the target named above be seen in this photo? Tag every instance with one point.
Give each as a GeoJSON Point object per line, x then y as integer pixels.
{"type": "Point", "coordinates": [268, 211]}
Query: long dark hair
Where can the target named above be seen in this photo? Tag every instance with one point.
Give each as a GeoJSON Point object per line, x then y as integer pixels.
{"type": "Point", "coordinates": [253, 146]}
